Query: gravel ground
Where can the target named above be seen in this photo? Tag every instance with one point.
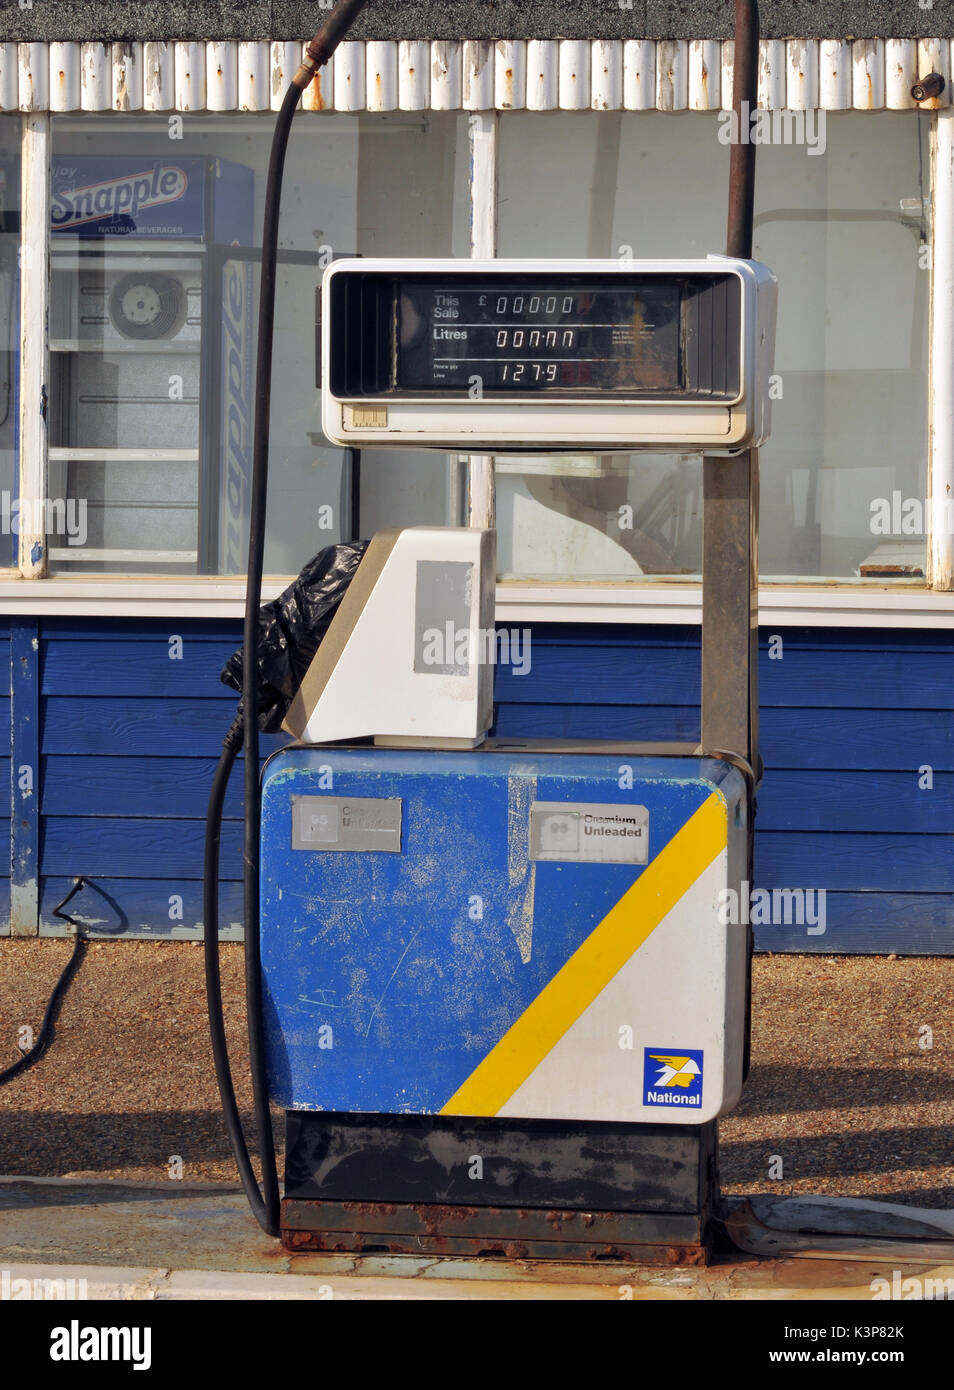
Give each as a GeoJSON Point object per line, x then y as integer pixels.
{"type": "Point", "coordinates": [840, 1090]}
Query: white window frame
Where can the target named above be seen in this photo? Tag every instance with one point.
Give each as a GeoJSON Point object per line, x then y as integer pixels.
{"type": "Point", "coordinates": [835, 603]}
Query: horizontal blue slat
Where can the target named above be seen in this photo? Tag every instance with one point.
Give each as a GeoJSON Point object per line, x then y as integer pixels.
{"type": "Point", "coordinates": [873, 924]}
{"type": "Point", "coordinates": [128, 786]}
{"type": "Point", "coordinates": [672, 635]}
{"type": "Point", "coordinates": [585, 721]}
{"type": "Point", "coordinates": [128, 848]}
{"type": "Point", "coordinates": [137, 907]}
{"type": "Point", "coordinates": [650, 675]}
{"type": "Point", "coordinates": [630, 675]}
{"type": "Point", "coordinates": [106, 629]}
{"type": "Point", "coordinates": [832, 801]}
{"type": "Point", "coordinates": [893, 740]}
{"type": "Point", "coordinates": [853, 679]}
{"type": "Point", "coordinates": [849, 862]}
{"type": "Point", "coordinates": [118, 727]}
{"type": "Point", "coordinates": [136, 667]}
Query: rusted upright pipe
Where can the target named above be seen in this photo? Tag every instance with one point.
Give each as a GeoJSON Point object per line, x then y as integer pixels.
{"type": "Point", "coordinates": [745, 95]}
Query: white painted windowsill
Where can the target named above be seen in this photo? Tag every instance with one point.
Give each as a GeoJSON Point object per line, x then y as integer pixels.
{"type": "Point", "coordinates": [824, 604]}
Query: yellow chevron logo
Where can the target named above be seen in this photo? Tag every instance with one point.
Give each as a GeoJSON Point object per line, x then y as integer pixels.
{"type": "Point", "coordinates": [675, 1071]}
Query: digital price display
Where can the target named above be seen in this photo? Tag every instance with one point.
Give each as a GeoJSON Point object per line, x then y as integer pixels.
{"type": "Point", "coordinates": [547, 356]}
{"type": "Point", "coordinates": [540, 336]}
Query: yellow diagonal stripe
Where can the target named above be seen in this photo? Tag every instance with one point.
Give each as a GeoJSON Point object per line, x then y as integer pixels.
{"type": "Point", "coordinates": [591, 967]}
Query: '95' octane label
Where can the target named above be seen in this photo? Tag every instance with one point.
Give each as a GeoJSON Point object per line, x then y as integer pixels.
{"type": "Point", "coordinates": [578, 832]}
{"type": "Point", "coordinates": [347, 823]}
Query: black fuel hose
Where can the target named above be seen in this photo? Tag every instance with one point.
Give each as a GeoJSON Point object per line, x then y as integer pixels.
{"type": "Point", "coordinates": [264, 1201]}
{"type": "Point", "coordinates": [253, 601]}
{"type": "Point", "coordinates": [213, 981]}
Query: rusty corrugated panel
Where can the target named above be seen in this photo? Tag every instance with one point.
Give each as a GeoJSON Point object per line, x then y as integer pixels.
{"type": "Point", "coordinates": [834, 74]}
{"type": "Point", "coordinates": [253, 77]}
{"type": "Point", "coordinates": [801, 78]}
{"type": "Point", "coordinates": [934, 55]}
{"type": "Point", "coordinates": [221, 76]}
{"type": "Point", "coordinates": [33, 61]}
{"type": "Point", "coordinates": [476, 75]}
{"type": "Point", "coordinates": [65, 77]}
{"type": "Point", "coordinates": [127, 80]}
{"type": "Point", "coordinates": [381, 76]}
{"type": "Point", "coordinates": [672, 74]}
{"type": "Point", "coordinates": [349, 77]}
{"type": "Point", "coordinates": [867, 58]}
{"type": "Point", "coordinates": [772, 65]}
{"type": "Point", "coordinates": [510, 77]}
{"type": "Point", "coordinates": [900, 73]}
{"type": "Point", "coordinates": [705, 75]}
{"type": "Point", "coordinates": [158, 76]}
{"type": "Point", "coordinates": [414, 86]}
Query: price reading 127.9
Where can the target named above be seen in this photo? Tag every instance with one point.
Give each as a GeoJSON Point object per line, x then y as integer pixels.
{"type": "Point", "coordinates": [519, 337]}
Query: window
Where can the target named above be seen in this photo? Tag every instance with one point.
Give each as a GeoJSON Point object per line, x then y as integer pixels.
{"type": "Point", "coordinates": [155, 275]}
{"type": "Point", "coordinates": [850, 414]}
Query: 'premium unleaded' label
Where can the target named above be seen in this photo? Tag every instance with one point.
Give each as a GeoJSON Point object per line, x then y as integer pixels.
{"type": "Point", "coordinates": [603, 834]}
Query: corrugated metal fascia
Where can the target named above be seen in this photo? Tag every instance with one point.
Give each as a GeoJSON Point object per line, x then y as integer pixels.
{"type": "Point", "coordinates": [471, 74]}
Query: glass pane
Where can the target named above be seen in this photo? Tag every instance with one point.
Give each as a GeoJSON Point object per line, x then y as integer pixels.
{"type": "Point", "coordinates": [598, 517]}
{"type": "Point", "coordinates": [850, 414]}
{"type": "Point", "coordinates": [9, 334]}
{"type": "Point", "coordinates": [155, 282]}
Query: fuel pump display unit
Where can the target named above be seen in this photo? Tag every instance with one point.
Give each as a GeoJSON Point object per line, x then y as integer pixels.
{"type": "Point", "coordinates": [482, 956]}
{"type": "Point", "coordinates": [548, 355]}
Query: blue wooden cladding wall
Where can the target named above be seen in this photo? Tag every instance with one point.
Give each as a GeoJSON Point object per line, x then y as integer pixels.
{"type": "Point", "coordinates": [113, 742]}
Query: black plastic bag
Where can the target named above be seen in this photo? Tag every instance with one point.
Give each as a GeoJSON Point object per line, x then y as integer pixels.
{"type": "Point", "coordinates": [290, 629]}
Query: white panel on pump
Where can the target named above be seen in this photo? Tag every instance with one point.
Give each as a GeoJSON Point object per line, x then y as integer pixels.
{"type": "Point", "coordinates": [408, 657]}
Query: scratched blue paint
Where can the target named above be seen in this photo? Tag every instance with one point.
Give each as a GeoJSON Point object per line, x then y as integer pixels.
{"type": "Point", "coordinates": [381, 947]}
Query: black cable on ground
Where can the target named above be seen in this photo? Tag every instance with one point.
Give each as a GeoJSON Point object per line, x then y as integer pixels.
{"type": "Point", "coordinates": [48, 1026]}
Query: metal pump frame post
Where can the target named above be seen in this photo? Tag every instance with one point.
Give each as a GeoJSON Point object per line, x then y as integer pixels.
{"type": "Point", "coordinates": [730, 524]}
{"type": "Point", "coordinates": [731, 486]}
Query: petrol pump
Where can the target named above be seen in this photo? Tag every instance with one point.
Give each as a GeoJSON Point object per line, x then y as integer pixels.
{"type": "Point", "coordinates": [491, 983]}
